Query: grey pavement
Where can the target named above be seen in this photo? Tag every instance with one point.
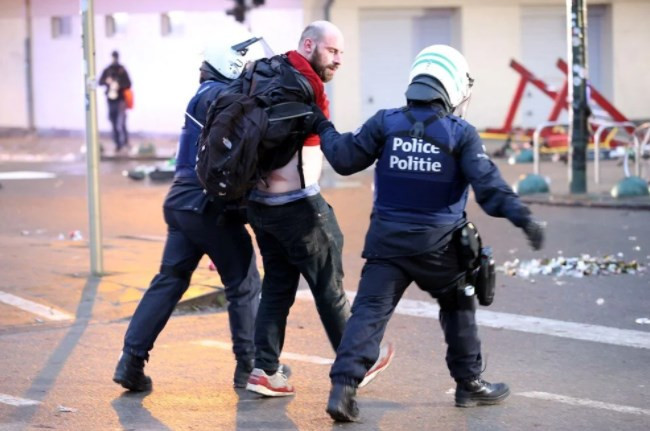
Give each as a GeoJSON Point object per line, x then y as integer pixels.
{"type": "Point", "coordinates": [575, 351]}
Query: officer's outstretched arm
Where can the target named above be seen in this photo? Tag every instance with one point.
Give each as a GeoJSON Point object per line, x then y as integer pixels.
{"type": "Point", "coordinates": [349, 153]}
{"type": "Point", "coordinates": [492, 193]}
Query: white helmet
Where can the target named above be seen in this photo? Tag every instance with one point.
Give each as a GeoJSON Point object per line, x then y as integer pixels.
{"type": "Point", "coordinates": [229, 54]}
{"type": "Point", "coordinates": [448, 67]}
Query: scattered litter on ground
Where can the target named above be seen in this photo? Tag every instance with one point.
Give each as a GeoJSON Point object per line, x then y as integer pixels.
{"type": "Point", "coordinates": [577, 267]}
{"type": "Point", "coordinates": [61, 237]}
{"type": "Point", "coordinates": [27, 232]}
{"type": "Point", "coordinates": [631, 238]}
{"type": "Point", "coordinates": [158, 172]}
{"type": "Point", "coordinates": [600, 301]}
{"type": "Point", "coordinates": [643, 321]}
{"type": "Point", "coordinates": [75, 235]}
{"type": "Point", "coordinates": [65, 409]}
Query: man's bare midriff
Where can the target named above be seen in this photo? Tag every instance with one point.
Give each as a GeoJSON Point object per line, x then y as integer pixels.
{"type": "Point", "coordinates": [287, 178]}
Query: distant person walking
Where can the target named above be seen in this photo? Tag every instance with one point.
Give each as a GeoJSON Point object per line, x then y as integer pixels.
{"type": "Point", "coordinates": [116, 80]}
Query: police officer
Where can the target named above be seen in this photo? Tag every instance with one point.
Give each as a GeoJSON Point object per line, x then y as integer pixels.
{"type": "Point", "coordinates": [427, 156]}
{"type": "Point", "coordinates": [198, 225]}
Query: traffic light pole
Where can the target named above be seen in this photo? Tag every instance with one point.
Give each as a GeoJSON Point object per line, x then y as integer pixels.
{"type": "Point", "coordinates": [92, 142]}
{"type": "Point", "coordinates": [579, 110]}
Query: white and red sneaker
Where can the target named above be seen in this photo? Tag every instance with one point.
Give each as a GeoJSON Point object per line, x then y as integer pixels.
{"type": "Point", "coordinates": [276, 385]}
{"type": "Point", "coordinates": [386, 353]}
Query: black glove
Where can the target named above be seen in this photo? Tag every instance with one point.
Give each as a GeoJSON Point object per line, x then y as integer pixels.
{"type": "Point", "coordinates": [534, 230]}
{"type": "Point", "coordinates": [317, 121]}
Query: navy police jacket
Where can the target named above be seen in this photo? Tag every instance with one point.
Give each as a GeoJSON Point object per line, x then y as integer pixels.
{"type": "Point", "coordinates": [187, 193]}
{"type": "Point", "coordinates": [421, 184]}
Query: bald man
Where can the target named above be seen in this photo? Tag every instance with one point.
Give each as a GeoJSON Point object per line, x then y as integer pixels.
{"type": "Point", "coordinates": [296, 230]}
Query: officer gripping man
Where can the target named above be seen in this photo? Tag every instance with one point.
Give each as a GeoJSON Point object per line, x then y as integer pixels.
{"type": "Point", "coordinates": [196, 225]}
{"type": "Point", "coordinates": [427, 156]}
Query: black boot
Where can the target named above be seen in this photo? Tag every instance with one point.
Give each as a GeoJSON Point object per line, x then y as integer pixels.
{"type": "Point", "coordinates": [341, 406]}
{"type": "Point", "coordinates": [477, 392]}
{"type": "Point", "coordinates": [242, 372]}
{"type": "Point", "coordinates": [129, 373]}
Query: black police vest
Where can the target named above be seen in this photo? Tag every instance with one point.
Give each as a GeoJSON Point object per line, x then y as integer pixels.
{"type": "Point", "coordinates": [418, 180]}
{"type": "Point", "coordinates": [187, 143]}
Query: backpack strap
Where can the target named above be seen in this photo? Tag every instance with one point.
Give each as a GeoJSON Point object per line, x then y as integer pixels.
{"type": "Point", "coordinates": [302, 80]}
{"type": "Point", "coordinates": [294, 109]}
{"type": "Point", "coordinates": [247, 79]}
{"type": "Point", "coordinates": [288, 110]}
{"type": "Point", "coordinates": [301, 172]}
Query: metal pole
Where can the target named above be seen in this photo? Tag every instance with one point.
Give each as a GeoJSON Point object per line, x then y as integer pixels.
{"type": "Point", "coordinates": [92, 141]}
{"type": "Point", "coordinates": [577, 76]}
{"type": "Point", "coordinates": [29, 84]}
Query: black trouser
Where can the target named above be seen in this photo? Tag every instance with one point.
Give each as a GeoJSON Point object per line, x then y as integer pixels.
{"type": "Point", "coordinates": [301, 237]}
{"type": "Point", "coordinates": [383, 282]}
{"type": "Point", "coordinates": [191, 235]}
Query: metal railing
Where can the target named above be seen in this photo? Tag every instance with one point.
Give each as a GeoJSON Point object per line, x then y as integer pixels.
{"type": "Point", "coordinates": [536, 135]}
{"type": "Point", "coordinates": [639, 148]}
{"type": "Point", "coordinates": [605, 125]}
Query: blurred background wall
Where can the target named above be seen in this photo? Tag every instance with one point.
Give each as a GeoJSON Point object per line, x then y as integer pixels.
{"type": "Point", "coordinates": [160, 43]}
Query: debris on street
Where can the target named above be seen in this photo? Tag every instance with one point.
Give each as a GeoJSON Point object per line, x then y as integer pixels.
{"type": "Point", "coordinates": [643, 321]}
{"type": "Point", "coordinates": [75, 235]}
{"type": "Point", "coordinates": [64, 409]}
{"type": "Point", "coordinates": [577, 267]}
{"type": "Point", "coordinates": [159, 172]}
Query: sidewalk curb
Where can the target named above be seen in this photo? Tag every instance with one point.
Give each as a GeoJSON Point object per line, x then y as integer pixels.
{"type": "Point", "coordinates": [589, 201]}
{"type": "Point", "coordinates": [216, 299]}
{"type": "Point", "coordinates": [149, 158]}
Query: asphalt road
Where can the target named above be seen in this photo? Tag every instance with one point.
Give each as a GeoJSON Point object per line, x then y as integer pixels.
{"type": "Point", "coordinates": [575, 351]}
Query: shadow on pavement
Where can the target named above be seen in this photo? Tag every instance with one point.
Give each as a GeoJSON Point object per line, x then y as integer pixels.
{"type": "Point", "coordinates": [133, 415]}
{"type": "Point", "coordinates": [250, 408]}
{"type": "Point", "coordinates": [45, 380]}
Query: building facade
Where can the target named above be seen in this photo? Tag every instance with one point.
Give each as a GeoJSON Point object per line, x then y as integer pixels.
{"type": "Point", "coordinates": [160, 43]}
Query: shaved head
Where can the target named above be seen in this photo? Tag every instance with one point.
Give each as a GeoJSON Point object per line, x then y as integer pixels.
{"type": "Point", "coordinates": [317, 30]}
{"type": "Point", "coordinates": [321, 43]}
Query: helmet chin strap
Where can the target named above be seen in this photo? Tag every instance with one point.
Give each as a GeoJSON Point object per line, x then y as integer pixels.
{"type": "Point", "coordinates": [461, 109]}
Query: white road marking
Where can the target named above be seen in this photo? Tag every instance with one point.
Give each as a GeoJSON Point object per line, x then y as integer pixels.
{"type": "Point", "coordinates": [34, 307]}
{"type": "Point", "coordinates": [26, 175]}
{"type": "Point", "coordinates": [580, 402]}
{"type": "Point", "coordinates": [286, 355]}
{"type": "Point", "coordinates": [307, 358]}
{"type": "Point", "coordinates": [18, 402]}
{"type": "Point", "coordinates": [584, 403]}
{"type": "Point", "coordinates": [529, 324]}
{"type": "Point", "coordinates": [154, 238]}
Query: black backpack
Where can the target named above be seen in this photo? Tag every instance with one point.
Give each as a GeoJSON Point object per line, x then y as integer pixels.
{"type": "Point", "coordinates": [254, 126]}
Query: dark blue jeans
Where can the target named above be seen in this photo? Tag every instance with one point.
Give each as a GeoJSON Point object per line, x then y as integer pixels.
{"type": "Point", "coordinates": [191, 235]}
{"type": "Point", "coordinates": [301, 237]}
{"type": "Point", "coordinates": [383, 282]}
{"type": "Point", "coordinates": [117, 116]}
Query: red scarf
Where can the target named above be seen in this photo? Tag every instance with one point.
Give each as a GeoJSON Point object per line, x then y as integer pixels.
{"type": "Point", "coordinates": [302, 65]}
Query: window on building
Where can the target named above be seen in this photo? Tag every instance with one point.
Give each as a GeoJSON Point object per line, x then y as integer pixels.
{"type": "Point", "coordinates": [61, 26]}
{"type": "Point", "coordinates": [116, 24]}
{"type": "Point", "coordinates": [172, 23]}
